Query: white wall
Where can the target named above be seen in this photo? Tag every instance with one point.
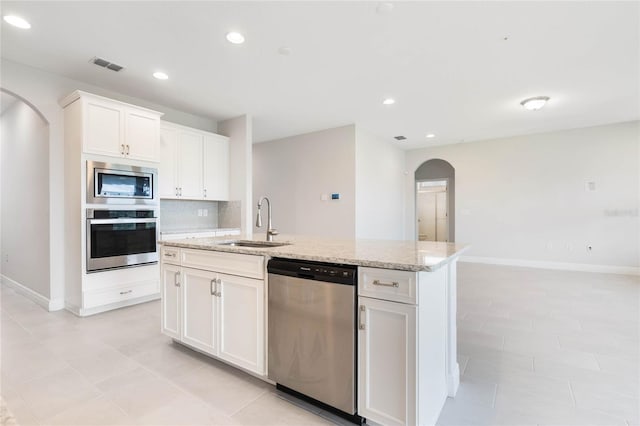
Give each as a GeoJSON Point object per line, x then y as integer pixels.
{"type": "Point", "coordinates": [294, 172]}
{"type": "Point", "coordinates": [524, 197]}
{"type": "Point", "coordinates": [240, 133]}
{"type": "Point", "coordinates": [24, 158]}
{"type": "Point", "coordinates": [44, 90]}
{"type": "Point", "coordinates": [380, 181]}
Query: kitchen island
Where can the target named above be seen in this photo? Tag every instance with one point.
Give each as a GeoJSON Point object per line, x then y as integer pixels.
{"type": "Point", "coordinates": [406, 295]}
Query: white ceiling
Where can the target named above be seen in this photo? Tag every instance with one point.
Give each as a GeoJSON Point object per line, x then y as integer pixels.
{"type": "Point", "coordinates": [447, 64]}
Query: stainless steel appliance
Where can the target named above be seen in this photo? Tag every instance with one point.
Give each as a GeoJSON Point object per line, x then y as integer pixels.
{"type": "Point", "coordinates": [120, 184]}
{"type": "Point", "coordinates": [312, 332]}
{"type": "Point", "coordinates": [121, 238]}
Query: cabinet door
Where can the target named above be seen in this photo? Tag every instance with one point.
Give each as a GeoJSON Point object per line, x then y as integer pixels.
{"type": "Point", "coordinates": [387, 361]}
{"type": "Point", "coordinates": [190, 164]}
{"type": "Point", "coordinates": [168, 170]}
{"type": "Point", "coordinates": [242, 322]}
{"type": "Point", "coordinates": [199, 320]}
{"type": "Point", "coordinates": [216, 167]}
{"type": "Point", "coordinates": [142, 135]}
{"type": "Point", "coordinates": [103, 129]}
{"type": "Point", "coordinates": [171, 300]}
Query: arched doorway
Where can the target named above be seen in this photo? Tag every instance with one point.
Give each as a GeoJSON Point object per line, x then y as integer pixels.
{"type": "Point", "coordinates": [24, 199]}
{"type": "Point", "coordinates": [435, 182]}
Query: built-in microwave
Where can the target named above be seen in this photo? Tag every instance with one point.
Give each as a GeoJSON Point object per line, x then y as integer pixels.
{"type": "Point", "coordinates": [120, 184]}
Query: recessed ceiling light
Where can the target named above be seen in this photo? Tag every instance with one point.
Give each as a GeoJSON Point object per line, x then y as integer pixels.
{"type": "Point", "coordinates": [534, 104]}
{"type": "Point", "coordinates": [235, 38]}
{"type": "Point", "coordinates": [430, 135]}
{"type": "Point", "coordinates": [160, 75]}
{"type": "Point", "coordinates": [17, 21]}
{"type": "Point", "coordinates": [285, 51]}
{"type": "Point", "coordinates": [389, 101]}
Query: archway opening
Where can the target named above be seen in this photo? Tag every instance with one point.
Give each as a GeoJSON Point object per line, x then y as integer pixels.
{"type": "Point", "coordinates": [435, 182]}
{"type": "Point", "coordinates": [24, 199]}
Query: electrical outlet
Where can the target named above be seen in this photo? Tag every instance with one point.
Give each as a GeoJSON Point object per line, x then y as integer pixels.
{"type": "Point", "coordinates": [199, 212]}
{"type": "Point", "coordinates": [205, 212]}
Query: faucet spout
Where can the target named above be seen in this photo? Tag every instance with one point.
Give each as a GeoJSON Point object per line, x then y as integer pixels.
{"type": "Point", "coordinates": [270, 231]}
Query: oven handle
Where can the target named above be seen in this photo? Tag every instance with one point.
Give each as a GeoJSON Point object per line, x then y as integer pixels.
{"type": "Point", "coordinates": [123, 220]}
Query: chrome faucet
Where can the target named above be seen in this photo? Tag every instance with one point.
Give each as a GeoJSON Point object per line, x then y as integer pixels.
{"type": "Point", "coordinates": [270, 231]}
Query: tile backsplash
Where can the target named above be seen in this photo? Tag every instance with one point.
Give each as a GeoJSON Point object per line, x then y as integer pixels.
{"type": "Point", "coordinates": [183, 214]}
{"type": "Point", "coordinates": [229, 214]}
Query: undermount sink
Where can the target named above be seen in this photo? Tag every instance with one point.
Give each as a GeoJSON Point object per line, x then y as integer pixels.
{"type": "Point", "coordinates": [251, 243]}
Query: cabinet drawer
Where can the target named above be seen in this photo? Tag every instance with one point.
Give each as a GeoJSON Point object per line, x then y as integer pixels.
{"type": "Point", "coordinates": [171, 255]}
{"type": "Point", "coordinates": [387, 284]}
{"type": "Point", "coordinates": [118, 294]}
{"type": "Point", "coordinates": [244, 265]}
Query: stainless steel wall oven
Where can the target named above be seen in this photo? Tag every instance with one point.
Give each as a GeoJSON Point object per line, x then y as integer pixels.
{"type": "Point", "coordinates": [121, 238]}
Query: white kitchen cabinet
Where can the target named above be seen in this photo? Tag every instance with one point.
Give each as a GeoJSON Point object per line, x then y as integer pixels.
{"type": "Point", "coordinates": [116, 129]}
{"type": "Point", "coordinates": [200, 309]}
{"type": "Point", "coordinates": [217, 313]}
{"type": "Point", "coordinates": [216, 167]}
{"type": "Point", "coordinates": [402, 345]}
{"type": "Point", "coordinates": [193, 164]}
{"type": "Point", "coordinates": [171, 300]}
{"type": "Point", "coordinates": [387, 361]}
{"type": "Point", "coordinates": [242, 321]}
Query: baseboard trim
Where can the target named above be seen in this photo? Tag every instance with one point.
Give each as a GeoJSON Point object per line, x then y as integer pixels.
{"type": "Point", "coordinates": [580, 267]}
{"type": "Point", "coordinates": [85, 312]}
{"type": "Point", "coordinates": [48, 304]}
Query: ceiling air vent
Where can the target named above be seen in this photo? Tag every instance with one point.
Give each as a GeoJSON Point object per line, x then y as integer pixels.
{"type": "Point", "coordinates": [399, 138]}
{"type": "Point", "coordinates": [106, 64]}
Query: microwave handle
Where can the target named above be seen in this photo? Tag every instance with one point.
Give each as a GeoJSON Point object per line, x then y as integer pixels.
{"type": "Point", "coordinates": [121, 220]}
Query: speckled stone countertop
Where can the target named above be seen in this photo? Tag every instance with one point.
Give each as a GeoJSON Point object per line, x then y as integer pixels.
{"type": "Point", "coordinates": [388, 254]}
{"type": "Point", "coordinates": [196, 231]}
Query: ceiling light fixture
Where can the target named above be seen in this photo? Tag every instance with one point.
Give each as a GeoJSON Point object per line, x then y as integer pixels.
{"type": "Point", "coordinates": [160, 75]}
{"type": "Point", "coordinates": [384, 8]}
{"type": "Point", "coordinates": [430, 135]}
{"type": "Point", "coordinates": [235, 38]}
{"type": "Point", "coordinates": [389, 101]}
{"type": "Point", "coordinates": [17, 21]}
{"type": "Point", "coordinates": [535, 103]}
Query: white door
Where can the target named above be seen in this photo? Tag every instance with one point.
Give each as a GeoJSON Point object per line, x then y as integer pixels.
{"type": "Point", "coordinates": [427, 216]}
{"type": "Point", "coordinates": [242, 322]}
{"type": "Point", "coordinates": [387, 361]}
{"type": "Point", "coordinates": [104, 127]}
{"type": "Point", "coordinates": [168, 170]}
{"type": "Point", "coordinates": [190, 164]}
{"type": "Point", "coordinates": [171, 300]}
{"type": "Point", "coordinates": [199, 316]}
{"type": "Point", "coordinates": [142, 136]}
{"type": "Point", "coordinates": [442, 231]}
{"type": "Point", "coordinates": [216, 167]}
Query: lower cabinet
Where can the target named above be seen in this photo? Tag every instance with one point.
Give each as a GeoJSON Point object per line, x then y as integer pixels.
{"type": "Point", "coordinates": [220, 314]}
{"type": "Point", "coordinates": [387, 361]}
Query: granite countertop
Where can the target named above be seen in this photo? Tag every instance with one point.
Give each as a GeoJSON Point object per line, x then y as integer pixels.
{"type": "Point", "coordinates": [388, 254]}
{"type": "Point", "coordinates": [195, 231]}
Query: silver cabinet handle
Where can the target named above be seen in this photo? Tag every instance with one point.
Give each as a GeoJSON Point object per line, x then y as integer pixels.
{"type": "Point", "coordinates": [218, 291]}
{"type": "Point", "coordinates": [175, 279]}
{"type": "Point", "coordinates": [122, 150]}
{"type": "Point", "coordinates": [360, 317]}
{"type": "Point", "coordinates": [166, 254]}
{"type": "Point", "coordinates": [176, 191]}
{"type": "Point", "coordinates": [213, 292]}
{"type": "Point", "coordinates": [126, 292]}
{"type": "Point", "coordinates": [391, 284]}
{"type": "Point", "coordinates": [205, 193]}
{"type": "Point", "coordinates": [180, 191]}
{"type": "Point", "coordinates": [127, 149]}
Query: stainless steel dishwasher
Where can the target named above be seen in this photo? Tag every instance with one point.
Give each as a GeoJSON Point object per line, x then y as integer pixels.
{"type": "Point", "coordinates": [312, 332]}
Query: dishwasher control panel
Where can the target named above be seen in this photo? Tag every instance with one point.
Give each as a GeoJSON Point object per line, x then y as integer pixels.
{"type": "Point", "coordinates": [340, 274]}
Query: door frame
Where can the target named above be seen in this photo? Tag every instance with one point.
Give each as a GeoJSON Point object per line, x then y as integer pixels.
{"type": "Point", "coordinates": [415, 202]}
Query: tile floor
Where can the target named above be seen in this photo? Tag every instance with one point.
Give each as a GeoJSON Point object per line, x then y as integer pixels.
{"type": "Point", "coordinates": [536, 347]}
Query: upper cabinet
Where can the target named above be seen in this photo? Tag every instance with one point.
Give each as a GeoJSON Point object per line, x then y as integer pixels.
{"type": "Point", "coordinates": [194, 164]}
{"type": "Point", "coordinates": [117, 129]}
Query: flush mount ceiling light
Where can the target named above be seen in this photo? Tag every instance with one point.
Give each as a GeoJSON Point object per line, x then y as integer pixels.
{"type": "Point", "coordinates": [17, 21]}
{"type": "Point", "coordinates": [430, 135]}
{"type": "Point", "coordinates": [235, 38]}
{"type": "Point", "coordinates": [160, 75]}
{"type": "Point", "coordinates": [534, 104]}
{"type": "Point", "coordinates": [389, 101]}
